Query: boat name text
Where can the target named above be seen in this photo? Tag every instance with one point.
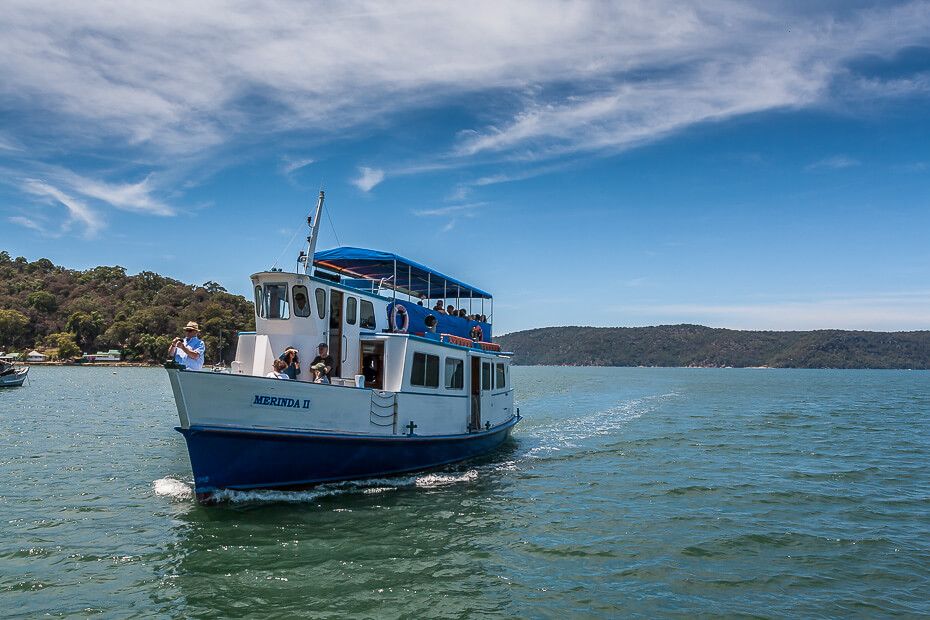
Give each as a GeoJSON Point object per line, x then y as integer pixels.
{"type": "Point", "coordinates": [281, 401]}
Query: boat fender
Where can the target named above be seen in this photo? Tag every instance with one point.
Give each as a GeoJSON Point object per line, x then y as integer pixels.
{"type": "Point", "coordinates": [399, 312]}
{"type": "Point", "coordinates": [476, 333]}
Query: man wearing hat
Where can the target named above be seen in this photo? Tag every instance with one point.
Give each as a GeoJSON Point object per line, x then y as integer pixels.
{"type": "Point", "coordinates": [188, 351]}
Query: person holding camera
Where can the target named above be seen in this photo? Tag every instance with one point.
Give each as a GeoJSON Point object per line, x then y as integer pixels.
{"type": "Point", "coordinates": [292, 361]}
{"type": "Point", "coordinates": [188, 351]}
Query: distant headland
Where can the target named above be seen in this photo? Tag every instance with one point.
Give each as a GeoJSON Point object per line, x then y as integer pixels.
{"type": "Point", "coordinates": [707, 347]}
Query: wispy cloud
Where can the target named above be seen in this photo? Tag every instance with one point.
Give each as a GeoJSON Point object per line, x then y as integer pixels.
{"type": "Point", "coordinates": [78, 211]}
{"type": "Point", "coordinates": [293, 165]}
{"type": "Point", "coordinates": [837, 162]}
{"type": "Point", "coordinates": [27, 223]}
{"type": "Point", "coordinates": [134, 197]}
{"type": "Point", "coordinates": [368, 178]}
{"type": "Point", "coordinates": [463, 209]}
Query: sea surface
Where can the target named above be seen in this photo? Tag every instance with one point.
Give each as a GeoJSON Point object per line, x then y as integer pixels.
{"type": "Point", "coordinates": [624, 492]}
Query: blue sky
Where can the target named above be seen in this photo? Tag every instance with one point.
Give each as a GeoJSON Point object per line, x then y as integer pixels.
{"type": "Point", "coordinates": [744, 165]}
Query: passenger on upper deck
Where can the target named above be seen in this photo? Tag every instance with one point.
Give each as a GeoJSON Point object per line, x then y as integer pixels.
{"type": "Point", "coordinates": [438, 307]}
{"type": "Point", "coordinates": [450, 310]}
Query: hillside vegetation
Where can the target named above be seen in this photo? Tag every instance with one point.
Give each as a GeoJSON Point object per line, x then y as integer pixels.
{"type": "Point", "coordinates": [695, 345]}
{"type": "Point", "coordinates": [68, 312]}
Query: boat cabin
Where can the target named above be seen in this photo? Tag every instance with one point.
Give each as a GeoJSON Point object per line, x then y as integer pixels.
{"type": "Point", "coordinates": [379, 315]}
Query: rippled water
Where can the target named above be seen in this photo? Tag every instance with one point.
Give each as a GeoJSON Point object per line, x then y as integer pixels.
{"type": "Point", "coordinates": [625, 491]}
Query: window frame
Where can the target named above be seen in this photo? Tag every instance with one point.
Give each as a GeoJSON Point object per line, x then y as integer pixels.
{"type": "Point", "coordinates": [425, 364]}
{"type": "Point", "coordinates": [500, 376]}
{"type": "Point", "coordinates": [486, 379]}
{"type": "Point", "coordinates": [306, 293]}
{"type": "Point", "coordinates": [460, 363]}
{"type": "Point", "coordinates": [320, 303]}
{"type": "Point", "coordinates": [351, 319]}
{"type": "Point", "coordinates": [266, 301]}
{"type": "Point", "coordinates": [362, 315]}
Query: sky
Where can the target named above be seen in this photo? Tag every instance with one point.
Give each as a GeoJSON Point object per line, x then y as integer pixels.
{"type": "Point", "coordinates": [750, 165]}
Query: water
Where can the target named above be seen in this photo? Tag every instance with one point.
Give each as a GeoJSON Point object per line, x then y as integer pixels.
{"type": "Point", "coordinates": [626, 491]}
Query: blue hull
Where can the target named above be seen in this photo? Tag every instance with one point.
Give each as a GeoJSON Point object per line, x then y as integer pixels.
{"type": "Point", "coordinates": [231, 458]}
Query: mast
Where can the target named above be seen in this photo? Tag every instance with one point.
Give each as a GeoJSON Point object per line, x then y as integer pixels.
{"type": "Point", "coordinates": [314, 224]}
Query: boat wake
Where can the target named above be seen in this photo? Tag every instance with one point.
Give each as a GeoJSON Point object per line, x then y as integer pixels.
{"type": "Point", "coordinates": [179, 490]}
{"type": "Point", "coordinates": [573, 432]}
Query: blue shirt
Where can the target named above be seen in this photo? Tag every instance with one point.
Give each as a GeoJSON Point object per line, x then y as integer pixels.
{"type": "Point", "coordinates": [185, 360]}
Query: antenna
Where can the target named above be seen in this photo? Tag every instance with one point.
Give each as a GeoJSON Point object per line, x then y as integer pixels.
{"type": "Point", "coordinates": [313, 222]}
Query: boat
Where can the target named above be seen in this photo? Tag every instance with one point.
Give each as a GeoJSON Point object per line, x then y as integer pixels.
{"type": "Point", "coordinates": [12, 376]}
{"type": "Point", "coordinates": [411, 388]}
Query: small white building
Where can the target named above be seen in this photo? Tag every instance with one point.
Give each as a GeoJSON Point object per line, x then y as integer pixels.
{"type": "Point", "coordinates": [35, 356]}
{"type": "Point", "coordinates": [113, 355]}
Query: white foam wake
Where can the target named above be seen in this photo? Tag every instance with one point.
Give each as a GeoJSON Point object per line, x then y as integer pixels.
{"type": "Point", "coordinates": [176, 489]}
{"type": "Point", "coordinates": [173, 488]}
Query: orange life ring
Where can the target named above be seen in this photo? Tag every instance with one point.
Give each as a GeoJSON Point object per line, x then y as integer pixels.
{"type": "Point", "coordinates": [399, 311]}
{"type": "Point", "coordinates": [476, 333]}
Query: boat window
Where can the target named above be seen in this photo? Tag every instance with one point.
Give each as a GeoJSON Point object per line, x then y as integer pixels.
{"type": "Point", "coordinates": [320, 302]}
{"type": "Point", "coordinates": [485, 376]}
{"type": "Point", "coordinates": [368, 315]}
{"type": "Point", "coordinates": [259, 310]}
{"type": "Point", "coordinates": [455, 373]}
{"type": "Point", "coordinates": [425, 370]}
{"type": "Point", "coordinates": [351, 310]}
{"type": "Point", "coordinates": [275, 302]}
{"type": "Point", "coordinates": [301, 301]}
{"type": "Point", "coordinates": [499, 377]}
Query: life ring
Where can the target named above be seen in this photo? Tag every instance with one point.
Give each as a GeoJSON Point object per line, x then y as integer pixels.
{"type": "Point", "coordinates": [398, 311]}
{"type": "Point", "coordinates": [476, 333]}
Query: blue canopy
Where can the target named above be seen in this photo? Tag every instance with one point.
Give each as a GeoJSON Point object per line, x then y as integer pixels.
{"type": "Point", "coordinates": [411, 276]}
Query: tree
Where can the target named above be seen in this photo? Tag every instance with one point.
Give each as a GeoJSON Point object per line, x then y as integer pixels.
{"type": "Point", "coordinates": [42, 301]}
{"type": "Point", "coordinates": [85, 327]}
{"type": "Point", "coordinates": [64, 341]}
{"type": "Point", "coordinates": [12, 325]}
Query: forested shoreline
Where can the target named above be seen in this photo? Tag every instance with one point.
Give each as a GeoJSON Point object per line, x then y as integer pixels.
{"type": "Point", "coordinates": [699, 346]}
{"type": "Point", "coordinates": [65, 312]}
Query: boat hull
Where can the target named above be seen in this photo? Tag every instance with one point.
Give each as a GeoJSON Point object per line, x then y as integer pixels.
{"type": "Point", "coordinates": [15, 379]}
{"type": "Point", "coordinates": [240, 459]}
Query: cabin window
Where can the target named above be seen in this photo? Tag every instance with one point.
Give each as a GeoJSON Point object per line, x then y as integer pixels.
{"type": "Point", "coordinates": [275, 302]}
{"type": "Point", "coordinates": [500, 379]}
{"type": "Point", "coordinates": [351, 310]}
{"type": "Point", "coordinates": [259, 310]}
{"type": "Point", "coordinates": [301, 301]}
{"type": "Point", "coordinates": [455, 373]}
{"type": "Point", "coordinates": [320, 302]}
{"type": "Point", "coordinates": [485, 376]}
{"type": "Point", "coordinates": [368, 315]}
{"type": "Point", "coordinates": [425, 370]}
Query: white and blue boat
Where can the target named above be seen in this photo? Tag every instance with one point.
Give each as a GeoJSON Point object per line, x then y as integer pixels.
{"type": "Point", "coordinates": [411, 389]}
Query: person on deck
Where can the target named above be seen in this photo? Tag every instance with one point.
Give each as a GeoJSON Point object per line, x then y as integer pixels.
{"type": "Point", "coordinates": [438, 308]}
{"type": "Point", "coordinates": [292, 362]}
{"type": "Point", "coordinates": [450, 310]}
{"type": "Point", "coordinates": [322, 364]}
{"type": "Point", "coordinates": [279, 366]}
{"type": "Point", "coordinates": [188, 351]}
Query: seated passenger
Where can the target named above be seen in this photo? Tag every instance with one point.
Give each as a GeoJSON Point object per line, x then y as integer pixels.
{"type": "Point", "coordinates": [438, 308]}
{"type": "Point", "coordinates": [291, 361]}
{"type": "Point", "coordinates": [462, 313]}
{"type": "Point", "coordinates": [278, 372]}
{"type": "Point", "coordinates": [483, 319]}
{"type": "Point", "coordinates": [450, 310]}
{"type": "Point", "coordinates": [322, 364]}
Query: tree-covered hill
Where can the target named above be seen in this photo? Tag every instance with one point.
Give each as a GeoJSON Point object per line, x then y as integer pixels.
{"type": "Point", "coordinates": [46, 306]}
{"type": "Point", "coordinates": [695, 345]}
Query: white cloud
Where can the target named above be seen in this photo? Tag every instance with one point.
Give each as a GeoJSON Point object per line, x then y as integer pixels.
{"type": "Point", "coordinates": [466, 210]}
{"type": "Point", "coordinates": [77, 210]}
{"type": "Point", "coordinates": [837, 162]}
{"type": "Point", "coordinates": [176, 78]}
{"type": "Point", "coordinates": [27, 223]}
{"type": "Point", "coordinates": [134, 197]}
{"type": "Point", "coordinates": [368, 178]}
{"type": "Point", "coordinates": [292, 165]}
